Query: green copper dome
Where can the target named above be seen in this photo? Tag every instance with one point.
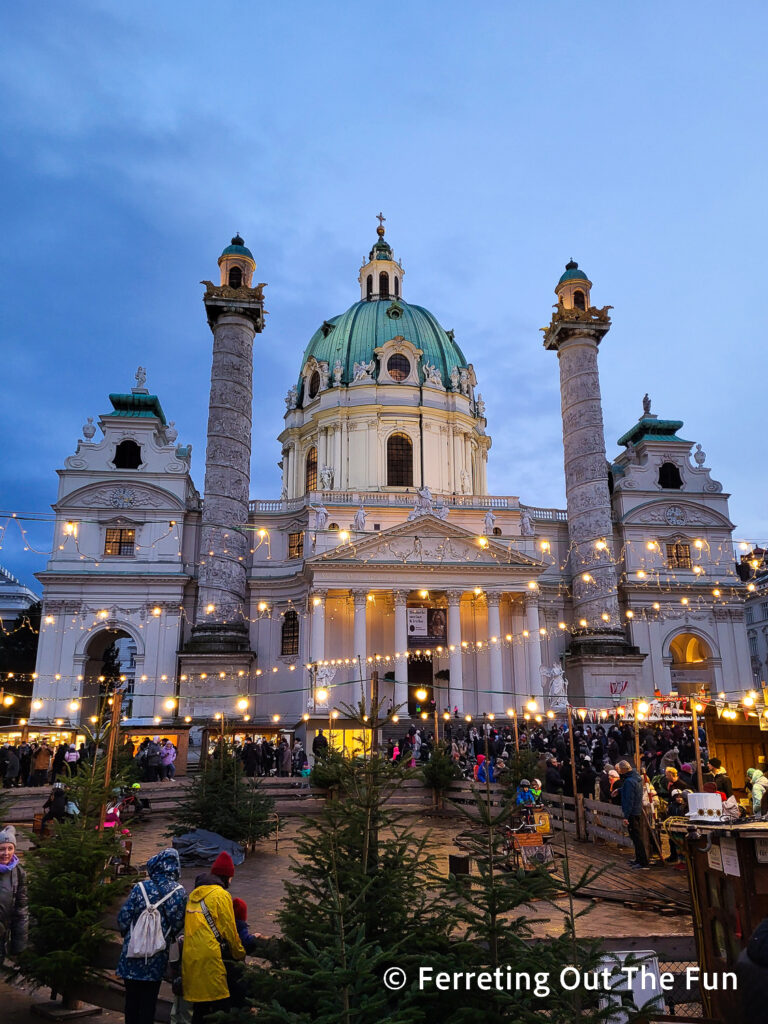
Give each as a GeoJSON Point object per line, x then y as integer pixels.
{"type": "Point", "coordinates": [572, 273]}
{"type": "Point", "coordinates": [237, 248]}
{"type": "Point", "coordinates": [353, 336]}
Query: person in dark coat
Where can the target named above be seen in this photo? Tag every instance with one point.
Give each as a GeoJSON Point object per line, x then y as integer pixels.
{"type": "Point", "coordinates": [752, 975]}
{"type": "Point", "coordinates": [553, 780]}
{"type": "Point", "coordinates": [585, 780]}
{"type": "Point", "coordinates": [14, 915]}
{"type": "Point", "coordinates": [632, 809]}
{"type": "Point", "coordinates": [55, 806]}
{"type": "Point", "coordinates": [721, 778]}
{"type": "Point", "coordinates": [319, 745]}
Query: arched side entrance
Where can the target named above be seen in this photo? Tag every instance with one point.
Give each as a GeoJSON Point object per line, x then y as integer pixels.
{"type": "Point", "coordinates": [108, 655]}
{"type": "Point", "coordinates": [691, 661]}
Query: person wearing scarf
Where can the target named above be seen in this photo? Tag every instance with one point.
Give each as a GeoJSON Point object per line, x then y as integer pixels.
{"type": "Point", "coordinates": [14, 914]}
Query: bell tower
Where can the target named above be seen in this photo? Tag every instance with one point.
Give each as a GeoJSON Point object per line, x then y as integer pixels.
{"type": "Point", "coordinates": [235, 312]}
{"type": "Point", "coordinates": [382, 276]}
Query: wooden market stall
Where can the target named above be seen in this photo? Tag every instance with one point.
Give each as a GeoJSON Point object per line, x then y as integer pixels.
{"type": "Point", "coordinates": [728, 877]}
{"type": "Point", "coordinates": [740, 743]}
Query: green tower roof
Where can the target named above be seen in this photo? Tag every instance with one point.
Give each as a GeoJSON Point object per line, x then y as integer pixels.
{"type": "Point", "coordinates": [649, 428]}
{"type": "Point", "coordinates": [572, 273]}
{"type": "Point", "coordinates": [140, 405]}
{"type": "Point", "coordinates": [237, 248]}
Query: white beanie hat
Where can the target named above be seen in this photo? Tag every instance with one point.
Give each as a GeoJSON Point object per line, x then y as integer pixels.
{"type": "Point", "coordinates": [8, 835]}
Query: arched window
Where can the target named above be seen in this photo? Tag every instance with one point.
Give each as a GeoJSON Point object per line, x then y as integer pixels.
{"type": "Point", "coordinates": [399, 461]}
{"type": "Point", "coordinates": [383, 285]}
{"type": "Point", "coordinates": [497, 531]}
{"type": "Point", "coordinates": [289, 637]}
{"type": "Point", "coordinates": [314, 384]}
{"type": "Point", "coordinates": [369, 287]}
{"type": "Point", "coordinates": [310, 474]}
{"type": "Point", "coordinates": [127, 455]}
{"type": "Point", "coordinates": [669, 477]}
{"type": "Point", "coordinates": [579, 301]}
{"type": "Point", "coordinates": [235, 277]}
{"type": "Point", "coordinates": [397, 287]}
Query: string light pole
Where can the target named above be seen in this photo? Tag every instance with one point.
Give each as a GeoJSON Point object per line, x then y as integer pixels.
{"type": "Point", "coordinates": [114, 726]}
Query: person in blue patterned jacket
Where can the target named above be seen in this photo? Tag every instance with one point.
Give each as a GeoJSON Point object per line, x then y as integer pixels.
{"type": "Point", "coordinates": [142, 977]}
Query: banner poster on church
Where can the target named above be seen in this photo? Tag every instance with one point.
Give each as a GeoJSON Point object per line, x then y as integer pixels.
{"type": "Point", "coordinates": [427, 627]}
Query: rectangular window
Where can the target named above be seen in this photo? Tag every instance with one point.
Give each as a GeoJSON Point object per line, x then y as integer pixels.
{"type": "Point", "coordinates": [750, 613]}
{"type": "Point", "coordinates": [764, 610]}
{"type": "Point", "coordinates": [296, 545]}
{"type": "Point", "coordinates": [119, 542]}
{"type": "Point", "coordinates": [679, 556]}
{"type": "Point", "coordinates": [753, 646]}
{"type": "Point", "coordinates": [289, 639]}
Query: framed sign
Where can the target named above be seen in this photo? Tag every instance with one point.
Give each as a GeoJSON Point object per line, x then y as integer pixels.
{"type": "Point", "coordinates": [427, 627]}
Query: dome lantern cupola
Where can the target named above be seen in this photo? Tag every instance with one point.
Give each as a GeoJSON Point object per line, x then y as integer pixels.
{"type": "Point", "coordinates": [382, 276]}
{"type": "Point", "coordinates": [573, 287]}
{"type": "Point", "coordinates": [237, 264]}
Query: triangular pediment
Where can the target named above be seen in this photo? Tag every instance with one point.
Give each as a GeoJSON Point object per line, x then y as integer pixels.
{"type": "Point", "coordinates": [427, 540]}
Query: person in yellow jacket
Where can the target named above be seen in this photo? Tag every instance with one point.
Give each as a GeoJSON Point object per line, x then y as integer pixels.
{"type": "Point", "coordinates": [203, 974]}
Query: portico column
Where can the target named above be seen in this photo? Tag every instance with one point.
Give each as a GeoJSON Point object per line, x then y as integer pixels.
{"type": "Point", "coordinates": [360, 635]}
{"type": "Point", "coordinates": [456, 690]}
{"type": "Point", "coordinates": [533, 645]}
{"type": "Point", "coordinates": [400, 598]}
{"type": "Point", "coordinates": [318, 625]}
{"type": "Point", "coordinates": [494, 701]}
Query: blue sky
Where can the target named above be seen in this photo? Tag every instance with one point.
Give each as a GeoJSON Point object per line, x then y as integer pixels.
{"type": "Point", "coordinates": [498, 142]}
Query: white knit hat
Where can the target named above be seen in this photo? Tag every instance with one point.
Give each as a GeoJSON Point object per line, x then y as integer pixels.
{"type": "Point", "coordinates": [8, 835]}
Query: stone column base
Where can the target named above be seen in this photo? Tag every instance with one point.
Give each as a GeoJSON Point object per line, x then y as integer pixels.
{"type": "Point", "coordinates": [596, 667]}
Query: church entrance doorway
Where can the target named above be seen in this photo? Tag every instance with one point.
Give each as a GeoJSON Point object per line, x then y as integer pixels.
{"type": "Point", "coordinates": [691, 670]}
{"type": "Point", "coordinates": [419, 683]}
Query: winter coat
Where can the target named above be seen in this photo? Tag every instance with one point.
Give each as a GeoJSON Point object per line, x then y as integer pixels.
{"type": "Point", "coordinates": [41, 760]}
{"type": "Point", "coordinates": [752, 974]}
{"type": "Point", "coordinates": [204, 977]}
{"type": "Point", "coordinates": [167, 754]}
{"type": "Point", "coordinates": [553, 780]}
{"type": "Point", "coordinates": [631, 795]}
{"type": "Point", "coordinates": [12, 765]}
{"type": "Point", "coordinates": [163, 869]}
{"type": "Point", "coordinates": [723, 782]}
{"type": "Point", "coordinates": [759, 785]}
{"type": "Point", "coordinates": [14, 916]}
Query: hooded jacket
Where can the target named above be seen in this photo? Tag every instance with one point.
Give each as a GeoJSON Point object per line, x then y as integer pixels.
{"type": "Point", "coordinates": [163, 870]}
{"type": "Point", "coordinates": [631, 794]}
{"type": "Point", "coordinates": [759, 785]}
{"type": "Point", "coordinates": [203, 975]}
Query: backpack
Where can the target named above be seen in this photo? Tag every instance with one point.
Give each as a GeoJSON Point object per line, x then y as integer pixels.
{"type": "Point", "coordinates": [147, 936]}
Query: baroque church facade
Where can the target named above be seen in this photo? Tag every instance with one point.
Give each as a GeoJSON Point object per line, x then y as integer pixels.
{"type": "Point", "coordinates": [384, 551]}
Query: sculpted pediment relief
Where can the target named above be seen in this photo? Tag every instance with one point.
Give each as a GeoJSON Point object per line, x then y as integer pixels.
{"type": "Point", "coordinates": [675, 512]}
{"type": "Point", "coordinates": [429, 540]}
{"type": "Point", "coordinates": [127, 496]}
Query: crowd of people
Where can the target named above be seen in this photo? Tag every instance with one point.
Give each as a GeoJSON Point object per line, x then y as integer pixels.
{"type": "Point", "coordinates": [40, 763]}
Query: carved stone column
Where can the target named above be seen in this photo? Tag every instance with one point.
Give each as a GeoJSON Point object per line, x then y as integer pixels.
{"type": "Point", "coordinates": [235, 315]}
{"type": "Point", "coordinates": [360, 641]}
{"type": "Point", "coordinates": [454, 645]}
{"type": "Point", "coordinates": [586, 480]}
{"type": "Point", "coordinates": [318, 626]}
{"type": "Point", "coordinates": [533, 644]}
{"type": "Point", "coordinates": [400, 598]}
{"type": "Point", "coordinates": [494, 701]}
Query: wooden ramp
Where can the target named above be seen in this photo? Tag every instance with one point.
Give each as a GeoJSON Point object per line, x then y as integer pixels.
{"type": "Point", "coordinates": [660, 888]}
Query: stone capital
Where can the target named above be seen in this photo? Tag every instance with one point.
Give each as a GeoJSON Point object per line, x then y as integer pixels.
{"type": "Point", "coordinates": [454, 596]}
{"type": "Point", "coordinates": [400, 598]}
{"type": "Point", "coordinates": [360, 597]}
{"type": "Point", "coordinates": [492, 598]}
